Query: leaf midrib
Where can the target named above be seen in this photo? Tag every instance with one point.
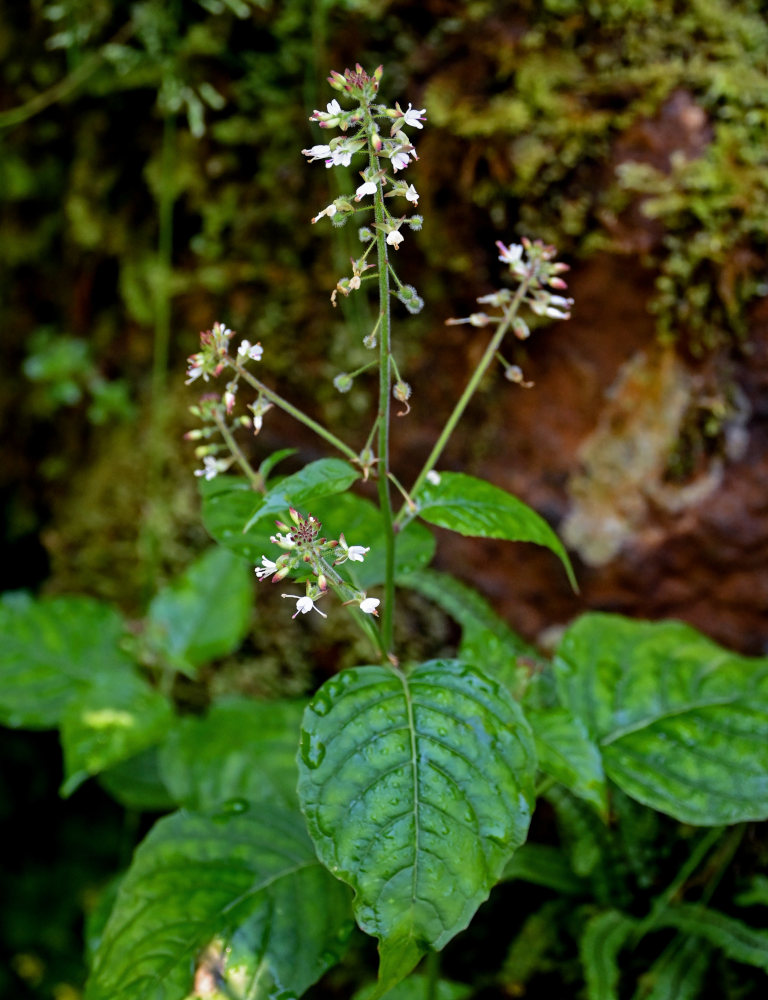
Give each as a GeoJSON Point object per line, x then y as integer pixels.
{"type": "Point", "coordinates": [649, 720]}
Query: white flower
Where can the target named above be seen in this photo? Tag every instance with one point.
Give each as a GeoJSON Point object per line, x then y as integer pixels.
{"type": "Point", "coordinates": [395, 238]}
{"type": "Point", "coordinates": [317, 153]}
{"type": "Point", "coordinates": [355, 553]}
{"type": "Point", "coordinates": [195, 368]}
{"type": "Point", "coordinates": [412, 116]}
{"type": "Point", "coordinates": [400, 160]}
{"type": "Point", "coordinates": [511, 254]}
{"type": "Point", "coordinates": [369, 604]}
{"type": "Point", "coordinates": [304, 604]}
{"type": "Point", "coordinates": [266, 569]}
{"type": "Point", "coordinates": [560, 302]}
{"type": "Point", "coordinates": [368, 188]}
{"type": "Point", "coordinates": [433, 477]}
{"type": "Point", "coordinates": [340, 158]}
{"type": "Point", "coordinates": [330, 211]}
{"type": "Point", "coordinates": [412, 195]}
{"type": "Point", "coordinates": [284, 541]}
{"type": "Point", "coordinates": [212, 467]}
{"type": "Point", "coordinates": [249, 350]}
{"type": "Point", "coordinates": [334, 108]}
{"type": "Point", "coordinates": [556, 313]}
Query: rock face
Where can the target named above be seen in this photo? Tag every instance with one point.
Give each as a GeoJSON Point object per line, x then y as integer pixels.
{"type": "Point", "coordinates": [654, 470]}
{"type": "Point", "coordinates": [652, 466]}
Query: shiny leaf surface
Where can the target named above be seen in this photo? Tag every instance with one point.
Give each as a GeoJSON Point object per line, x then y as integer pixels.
{"type": "Point", "coordinates": [237, 897]}
{"type": "Point", "coordinates": [417, 789]}
{"type": "Point", "coordinates": [676, 717]}
{"type": "Point", "coordinates": [475, 507]}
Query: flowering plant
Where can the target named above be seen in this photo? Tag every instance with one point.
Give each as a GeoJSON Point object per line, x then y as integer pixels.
{"type": "Point", "coordinates": [416, 782]}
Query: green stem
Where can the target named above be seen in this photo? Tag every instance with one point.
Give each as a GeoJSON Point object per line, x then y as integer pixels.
{"type": "Point", "coordinates": [662, 902]}
{"type": "Point", "coordinates": [294, 412]}
{"type": "Point", "coordinates": [256, 479]}
{"type": "Point", "coordinates": [432, 965]}
{"type": "Point", "coordinates": [384, 416]}
{"type": "Point", "coordinates": [477, 375]}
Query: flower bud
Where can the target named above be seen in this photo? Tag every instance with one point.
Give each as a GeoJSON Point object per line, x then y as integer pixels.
{"type": "Point", "coordinates": [343, 382]}
{"type": "Point", "coordinates": [401, 391]}
{"type": "Point", "coordinates": [520, 328]}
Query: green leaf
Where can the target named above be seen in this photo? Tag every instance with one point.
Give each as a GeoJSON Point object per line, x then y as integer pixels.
{"type": "Point", "coordinates": [269, 463]}
{"type": "Point", "coordinates": [531, 951]}
{"type": "Point", "coordinates": [417, 790]}
{"type": "Point", "coordinates": [110, 723]}
{"type": "Point", "coordinates": [136, 783]}
{"type": "Point", "coordinates": [677, 974]}
{"type": "Point", "coordinates": [239, 894]}
{"type": "Point", "coordinates": [736, 939]}
{"type": "Point", "coordinates": [566, 753]}
{"type": "Point", "coordinates": [241, 749]}
{"type": "Point", "coordinates": [474, 507]}
{"type": "Point", "coordinates": [542, 864]}
{"type": "Point", "coordinates": [52, 651]}
{"type": "Point", "coordinates": [675, 716]}
{"type": "Point", "coordinates": [486, 638]}
{"type": "Point", "coordinates": [756, 894]}
{"type": "Point", "coordinates": [318, 479]}
{"type": "Point", "coordinates": [604, 936]}
{"type": "Point", "coordinates": [203, 614]}
{"type": "Point", "coordinates": [362, 524]}
{"type": "Point", "coordinates": [228, 504]}
{"type": "Point", "coordinates": [417, 987]}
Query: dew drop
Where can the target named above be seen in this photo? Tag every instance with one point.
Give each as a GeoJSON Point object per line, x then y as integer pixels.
{"type": "Point", "coordinates": [234, 806]}
{"type": "Point", "coordinates": [321, 704]}
{"type": "Point", "coordinates": [312, 749]}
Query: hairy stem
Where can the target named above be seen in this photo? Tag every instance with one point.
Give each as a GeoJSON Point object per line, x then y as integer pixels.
{"type": "Point", "coordinates": [254, 478]}
{"type": "Point", "coordinates": [384, 416]}
{"type": "Point", "coordinates": [477, 375]}
{"type": "Point", "coordinates": [297, 414]}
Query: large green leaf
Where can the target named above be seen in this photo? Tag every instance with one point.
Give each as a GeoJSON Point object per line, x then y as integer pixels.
{"type": "Point", "coordinates": [678, 973]}
{"type": "Point", "coordinates": [136, 783]}
{"type": "Point", "coordinates": [568, 754]}
{"type": "Point", "coordinates": [604, 936]}
{"type": "Point", "coordinates": [204, 613]}
{"type": "Point", "coordinates": [475, 507]}
{"type": "Point", "coordinates": [228, 504]}
{"type": "Point", "coordinates": [52, 651]}
{"type": "Point", "coordinates": [738, 940]}
{"type": "Point", "coordinates": [239, 896]}
{"type": "Point", "coordinates": [486, 638]}
{"type": "Point", "coordinates": [319, 479]}
{"type": "Point", "coordinates": [419, 987]}
{"type": "Point", "coordinates": [676, 716]}
{"type": "Point", "coordinates": [417, 789]}
{"type": "Point", "coordinates": [241, 749]}
{"type": "Point", "coordinates": [109, 723]}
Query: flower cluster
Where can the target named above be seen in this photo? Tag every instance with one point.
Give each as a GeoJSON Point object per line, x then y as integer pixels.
{"type": "Point", "coordinates": [214, 411]}
{"type": "Point", "coordinates": [532, 266]}
{"type": "Point", "coordinates": [363, 131]}
{"type": "Point", "coordinates": [304, 549]}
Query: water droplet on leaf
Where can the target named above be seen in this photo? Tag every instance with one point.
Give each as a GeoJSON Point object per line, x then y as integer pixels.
{"type": "Point", "coordinates": [312, 749]}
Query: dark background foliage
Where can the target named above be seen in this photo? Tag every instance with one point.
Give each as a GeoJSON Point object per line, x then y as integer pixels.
{"type": "Point", "coordinates": [151, 182]}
